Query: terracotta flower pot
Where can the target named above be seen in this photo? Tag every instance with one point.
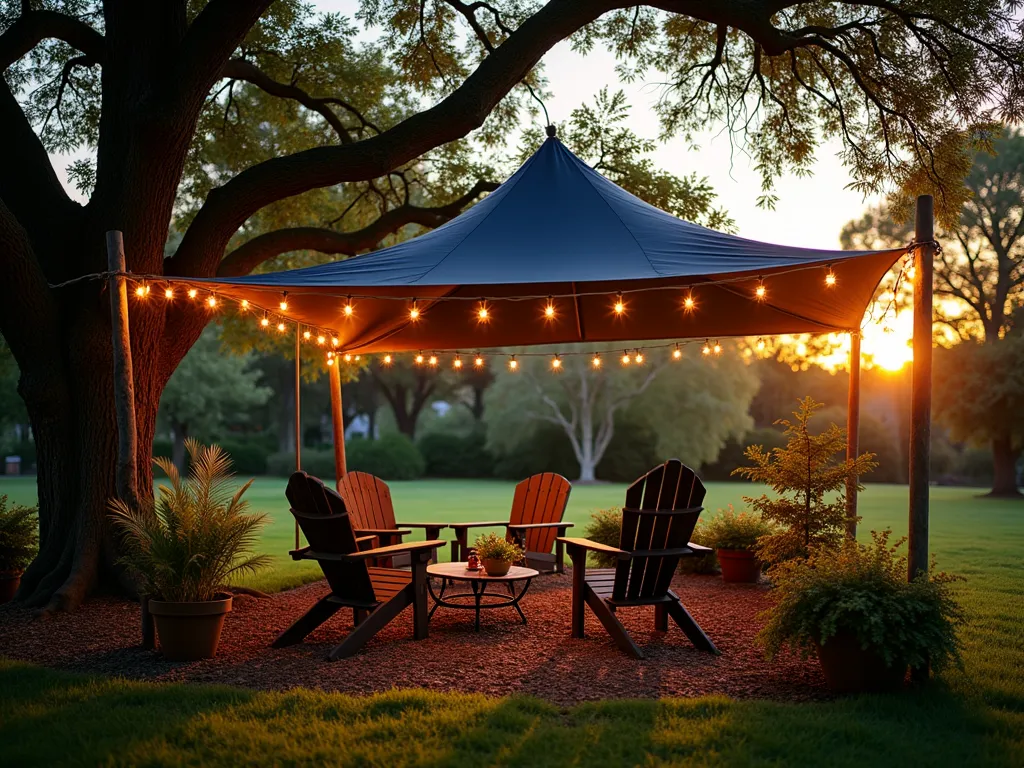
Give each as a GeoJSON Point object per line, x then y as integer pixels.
{"type": "Point", "coordinates": [189, 631]}
{"type": "Point", "coordinates": [849, 668]}
{"type": "Point", "coordinates": [9, 582]}
{"type": "Point", "coordinates": [495, 567]}
{"type": "Point", "coordinates": [739, 566]}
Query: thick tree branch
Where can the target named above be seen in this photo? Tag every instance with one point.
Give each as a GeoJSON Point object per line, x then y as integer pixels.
{"type": "Point", "coordinates": [247, 257]}
{"type": "Point", "coordinates": [33, 27]}
{"type": "Point", "coordinates": [240, 69]}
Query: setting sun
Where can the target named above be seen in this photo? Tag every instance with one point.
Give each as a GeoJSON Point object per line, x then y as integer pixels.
{"type": "Point", "coordinates": [889, 347]}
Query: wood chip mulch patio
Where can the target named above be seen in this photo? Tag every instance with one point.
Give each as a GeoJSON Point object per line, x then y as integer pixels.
{"type": "Point", "coordinates": [505, 657]}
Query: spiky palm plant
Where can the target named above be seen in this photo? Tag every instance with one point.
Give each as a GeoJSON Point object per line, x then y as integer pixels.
{"type": "Point", "coordinates": [19, 535]}
{"type": "Point", "coordinates": [189, 541]}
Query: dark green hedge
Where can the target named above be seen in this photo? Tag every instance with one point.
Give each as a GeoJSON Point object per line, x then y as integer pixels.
{"type": "Point", "coordinates": [393, 457]}
{"type": "Point", "coordinates": [453, 455]}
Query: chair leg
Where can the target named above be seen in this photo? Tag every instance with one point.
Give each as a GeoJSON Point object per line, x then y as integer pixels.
{"type": "Point", "coordinates": [559, 557]}
{"type": "Point", "coordinates": [420, 618]}
{"type": "Point", "coordinates": [310, 620]}
{"type": "Point", "coordinates": [579, 586]}
{"type": "Point", "coordinates": [379, 618]}
{"type": "Point", "coordinates": [612, 624]}
{"type": "Point", "coordinates": [692, 629]}
{"type": "Point", "coordinates": [660, 618]}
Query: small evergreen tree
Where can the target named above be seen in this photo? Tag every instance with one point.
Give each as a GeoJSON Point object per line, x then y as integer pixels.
{"type": "Point", "coordinates": [809, 475]}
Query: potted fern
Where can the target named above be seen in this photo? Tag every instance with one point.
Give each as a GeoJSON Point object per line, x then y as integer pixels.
{"type": "Point", "coordinates": [185, 545]}
{"type": "Point", "coordinates": [19, 541]}
{"type": "Point", "coordinates": [734, 537]}
{"type": "Point", "coordinates": [497, 553]}
{"type": "Point", "coordinates": [855, 609]}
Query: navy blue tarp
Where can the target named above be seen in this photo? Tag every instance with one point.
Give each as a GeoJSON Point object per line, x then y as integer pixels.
{"type": "Point", "coordinates": [559, 228]}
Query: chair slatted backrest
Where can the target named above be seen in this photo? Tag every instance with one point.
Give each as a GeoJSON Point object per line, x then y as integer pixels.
{"type": "Point", "coordinates": [325, 523]}
{"type": "Point", "coordinates": [661, 512]}
{"type": "Point", "coordinates": [368, 499]}
{"type": "Point", "coordinates": [540, 499]}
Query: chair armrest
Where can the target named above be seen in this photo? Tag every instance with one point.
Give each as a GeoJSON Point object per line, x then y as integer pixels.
{"type": "Point", "coordinates": [382, 531]}
{"type": "Point", "coordinates": [699, 549]}
{"type": "Point", "coordinates": [373, 541]}
{"type": "Point", "coordinates": [593, 546]}
{"type": "Point", "coordinates": [477, 524]}
{"type": "Point", "coordinates": [677, 552]}
{"type": "Point", "coordinates": [299, 554]}
{"type": "Point", "coordinates": [526, 526]}
{"type": "Point", "coordinates": [394, 549]}
{"type": "Point", "coordinates": [439, 526]}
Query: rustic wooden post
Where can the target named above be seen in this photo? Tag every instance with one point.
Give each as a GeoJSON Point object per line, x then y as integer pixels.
{"type": "Point", "coordinates": [126, 471]}
{"type": "Point", "coordinates": [298, 412]}
{"type": "Point", "coordinates": [921, 387]}
{"type": "Point", "coordinates": [853, 432]}
{"type": "Point", "coordinates": [338, 422]}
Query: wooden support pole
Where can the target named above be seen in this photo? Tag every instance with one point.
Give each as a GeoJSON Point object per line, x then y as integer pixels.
{"type": "Point", "coordinates": [338, 422]}
{"type": "Point", "coordinates": [853, 432]}
{"type": "Point", "coordinates": [298, 411]}
{"type": "Point", "coordinates": [921, 387]}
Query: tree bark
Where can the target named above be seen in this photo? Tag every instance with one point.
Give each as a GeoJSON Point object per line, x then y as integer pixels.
{"type": "Point", "coordinates": [1004, 462]}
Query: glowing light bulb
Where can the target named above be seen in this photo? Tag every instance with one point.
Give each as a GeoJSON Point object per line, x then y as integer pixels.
{"type": "Point", "coordinates": [761, 345]}
{"type": "Point", "coordinates": [689, 303]}
{"type": "Point", "coordinates": [556, 362]}
{"type": "Point", "coordinates": [619, 305]}
{"type": "Point", "coordinates": [280, 327]}
{"type": "Point", "coordinates": [549, 309]}
{"type": "Point", "coordinates": [760, 292]}
{"type": "Point", "coordinates": [330, 361]}
{"type": "Point", "coordinates": [348, 358]}
{"type": "Point", "coordinates": [335, 342]}
{"type": "Point", "coordinates": [211, 302]}
{"type": "Point", "coordinates": [457, 362]}
{"type": "Point", "coordinates": [677, 352]}
{"type": "Point", "coordinates": [419, 358]}
{"type": "Point", "coordinates": [639, 357]}
{"type": "Point", "coordinates": [321, 340]}
{"type": "Point", "coordinates": [414, 312]}
{"type": "Point", "coordinates": [625, 358]}
{"type": "Point", "coordinates": [348, 309]}
{"type": "Point", "coordinates": [307, 335]}
{"type": "Point", "coordinates": [168, 293]}
{"type": "Point", "coordinates": [387, 359]}
{"type": "Point", "coordinates": [596, 361]}
{"type": "Point", "coordinates": [244, 304]}
{"type": "Point", "coordinates": [142, 290]}
{"type": "Point", "coordinates": [192, 293]}
{"type": "Point", "coordinates": [718, 348]}
{"type": "Point", "coordinates": [483, 314]}
{"type": "Point", "coordinates": [830, 279]}
{"type": "Point", "coordinates": [284, 302]}
{"type": "Point", "coordinates": [478, 361]}
{"type": "Point", "coordinates": [264, 321]}
{"type": "Point", "coordinates": [432, 360]}
{"type": "Point", "coordinates": [513, 364]}
{"type": "Point", "coordinates": [706, 349]}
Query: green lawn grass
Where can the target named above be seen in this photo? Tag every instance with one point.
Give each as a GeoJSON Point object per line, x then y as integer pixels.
{"type": "Point", "coordinates": [970, 717]}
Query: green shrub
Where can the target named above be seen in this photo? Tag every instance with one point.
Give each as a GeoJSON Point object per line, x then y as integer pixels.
{"type": "Point", "coordinates": [249, 457]}
{"type": "Point", "coordinates": [19, 535]}
{"type": "Point", "coordinates": [317, 463]}
{"type": "Point", "coordinates": [392, 457]}
{"type": "Point", "coordinates": [187, 543]}
{"type": "Point", "coordinates": [448, 454]}
{"type": "Point", "coordinates": [863, 589]}
{"type": "Point", "coordinates": [731, 530]}
{"type": "Point", "coordinates": [491, 546]}
{"type": "Point", "coordinates": [605, 527]}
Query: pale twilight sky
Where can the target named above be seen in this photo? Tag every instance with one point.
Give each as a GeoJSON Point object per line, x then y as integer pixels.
{"type": "Point", "coordinates": [810, 211]}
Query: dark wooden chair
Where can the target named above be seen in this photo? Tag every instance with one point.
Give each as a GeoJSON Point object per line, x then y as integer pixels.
{"type": "Point", "coordinates": [535, 522]}
{"type": "Point", "coordinates": [661, 512]}
{"type": "Point", "coordinates": [375, 595]}
{"type": "Point", "coordinates": [368, 500]}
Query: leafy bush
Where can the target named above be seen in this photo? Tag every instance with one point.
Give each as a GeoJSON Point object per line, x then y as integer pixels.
{"type": "Point", "coordinates": [248, 456]}
{"type": "Point", "coordinates": [447, 454]}
{"type": "Point", "coordinates": [188, 542]}
{"type": "Point", "coordinates": [19, 535]}
{"type": "Point", "coordinates": [863, 589]}
{"type": "Point", "coordinates": [392, 457]}
{"type": "Point", "coordinates": [809, 475]}
{"type": "Point", "coordinates": [490, 546]}
{"type": "Point", "coordinates": [317, 463]}
{"type": "Point", "coordinates": [605, 527]}
{"type": "Point", "coordinates": [731, 530]}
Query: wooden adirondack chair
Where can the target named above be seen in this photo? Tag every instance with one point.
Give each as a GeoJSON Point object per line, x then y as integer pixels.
{"type": "Point", "coordinates": [535, 522]}
{"type": "Point", "coordinates": [368, 500]}
{"type": "Point", "coordinates": [661, 512]}
{"type": "Point", "coordinates": [375, 595]}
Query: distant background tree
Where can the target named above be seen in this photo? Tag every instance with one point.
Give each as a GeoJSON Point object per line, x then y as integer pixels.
{"type": "Point", "coordinates": [210, 391]}
{"type": "Point", "coordinates": [979, 280]}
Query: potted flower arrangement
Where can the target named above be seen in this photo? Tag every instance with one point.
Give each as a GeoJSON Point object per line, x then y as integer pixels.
{"type": "Point", "coordinates": [497, 553]}
{"type": "Point", "coordinates": [19, 541]}
{"type": "Point", "coordinates": [856, 610]}
{"type": "Point", "coordinates": [185, 545]}
{"type": "Point", "coordinates": [734, 537]}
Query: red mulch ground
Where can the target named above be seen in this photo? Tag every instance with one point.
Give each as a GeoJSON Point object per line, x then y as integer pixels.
{"type": "Point", "coordinates": [504, 658]}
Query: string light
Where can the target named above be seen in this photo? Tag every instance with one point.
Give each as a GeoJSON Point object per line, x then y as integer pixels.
{"type": "Point", "coordinates": [192, 293]}
{"type": "Point", "coordinates": [414, 312]}
{"type": "Point", "coordinates": [432, 360]}
{"type": "Point", "coordinates": [478, 361]}
{"type": "Point", "coordinates": [619, 305]}
{"type": "Point", "coordinates": [625, 357]}
{"type": "Point", "coordinates": [706, 349]}
{"type": "Point", "coordinates": [336, 342]}
{"type": "Point", "coordinates": [638, 356]}
{"type": "Point", "coordinates": [348, 309]}
{"type": "Point", "coordinates": [265, 321]}
{"type": "Point", "coordinates": [513, 364]}
{"type": "Point", "coordinates": [284, 302]}
{"type": "Point", "coordinates": [321, 339]}
{"type": "Point", "coordinates": [357, 358]}
{"type": "Point", "coordinates": [596, 361]}
{"type": "Point", "coordinates": [419, 358]}
{"type": "Point", "coordinates": [244, 304]}
{"type": "Point", "coordinates": [348, 358]}
{"type": "Point", "coordinates": [556, 362]}
{"type": "Point", "coordinates": [677, 352]}
{"type": "Point", "coordinates": [718, 348]}
{"type": "Point", "coordinates": [280, 327]}
{"type": "Point", "coordinates": [168, 292]}
{"type": "Point", "coordinates": [482, 313]}
{"type": "Point", "coordinates": [457, 363]}
{"type": "Point", "coordinates": [688, 303]}
{"type": "Point", "coordinates": [211, 301]}
{"type": "Point", "coordinates": [549, 309]}
{"type": "Point", "coordinates": [761, 345]}
{"type": "Point", "coordinates": [387, 359]}
{"type": "Point", "coordinates": [307, 335]}
{"type": "Point", "coordinates": [760, 292]}
{"type": "Point", "coordinates": [330, 361]}
{"type": "Point", "coordinates": [142, 291]}
{"type": "Point", "coordinates": [830, 278]}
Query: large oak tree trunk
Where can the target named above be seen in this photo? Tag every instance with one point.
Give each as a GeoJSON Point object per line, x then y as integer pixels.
{"type": "Point", "coordinates": [1004, 460]}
